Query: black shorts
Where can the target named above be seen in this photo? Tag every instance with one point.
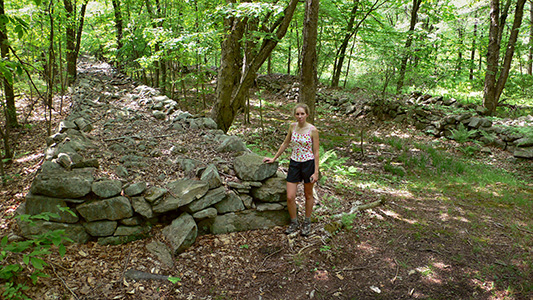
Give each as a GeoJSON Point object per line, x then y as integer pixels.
{"type": "Point", "coordinates": [301, 170]}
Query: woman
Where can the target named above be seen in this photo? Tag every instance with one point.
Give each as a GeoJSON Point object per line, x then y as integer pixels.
{"type": "Point", "coordinates": [303, 165]}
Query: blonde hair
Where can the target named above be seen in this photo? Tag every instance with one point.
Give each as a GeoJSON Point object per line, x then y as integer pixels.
{"type": "Point", "coordinates": [302, 105]}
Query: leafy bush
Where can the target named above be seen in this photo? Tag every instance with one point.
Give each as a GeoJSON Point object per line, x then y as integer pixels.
{"type": "Point", "coordinates": [462, 134]}
{"type": "Point", "coordinates": [32, 252]}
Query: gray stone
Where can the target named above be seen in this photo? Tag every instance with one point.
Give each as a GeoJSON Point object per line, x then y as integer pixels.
{"type": "Point", "coordinates": [203, 123]}
{"type": "Point", "coordinates": [132, 230]}
{"type": "Point", "coordinates": [250, 167]}
{"type": "Point", "coordinates": [523, 152]}
{"type": "Point", "coordinates": [36, 204]}
{"type": "Point", "coordinates": [119, 240]}
{"type": "Point", "coordinates": [133, 221]}
{"type": "Point", "coordinates": [162, 252]}
{"type": "Point", "coordinates": [154, 193]}
{"type": "Point", "coordinates": [66, 125]}
{"type": "Point", "coordinates": [232, 203]}
{"type": "Point", "coordinates": [207, 213]}
{"type": "Point", "coordinates": [101, 228]}
{"type": "Point", "coordinates": [231, 144]}
{"type": "Point", "coordinates": [135, 189]}
{"type": "Point", "coordinates": [211, 198]}
{"type": "Point", "coordinates": [75, 232]}
{"type": "Point", "coordinates": [182, 192]}
{"type": "Point", "coordinates": [270, 206]}
{"type": "Point", "coordinates": [249, 220]}
{"type": "Point", "coordinates": [211, 176]}
{"type": "Point", "coordinates": [106, 209]}
{"type": "Point", "coordinates": [188, 165]}
{"type": "Point", "coordinates": [121, 171]}
{"type": "Point", "coordinates": [181, 233]}
{"type": "Point", "coordinates": [142, 207]}
{"type": "Point", "coordinates": [107, 188]}
{"type": "Point", "coordinates": [247, 200]}
{"type": "Point", "coordinates": [524, 142]}
{"type": "Point", "coordinates": [273, 190]}
{"type": "Point", "coordinates": [479, 122]}
{"type": "Point", "coordinates": [63, 184]}
{"type": "Point", "coordinates": [159, 115]}
{"type": "Point", "coordinates": [63, 159]}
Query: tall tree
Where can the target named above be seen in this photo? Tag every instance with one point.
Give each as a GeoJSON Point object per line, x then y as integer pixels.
{"type": "Point", "coordinates": [308, 75]}
{"type": "Point", "coordinates": [73, 37]}
{"type": "Point", "coordinates": [350, 33]}
{"type": "Point", "coordinates": [233, 83]}
{"type": "Point", "coordinates": [408, 43]}
{"type": "Point", "coordinates": [118, 24]}
{"type": "Point", "coordinates": [10, 109]}
{"type": "Point", "coordinates": [496, 76]}
{"type": "Point", "coordinates": [530, 56]}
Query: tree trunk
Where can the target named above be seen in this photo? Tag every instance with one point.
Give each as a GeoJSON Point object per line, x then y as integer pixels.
{"type": "Point", "coordinates": [70, 33]}
{"type": "Point", "coordinates": [308, 75]}
{"type": "Point", "coordinates": [495, 84]}
{"type": "Point", "coordinates": [530, 57]}
{"type": "Point", "coordinates": [232, 86]}
{"type": "Point", "coordinates": [10, 109]}
{"type": "Point", "coordinates": [118, 27]}
{"type": "Point", "coordinates": [403, 65]}
{"type": "Point", "coordinates": [341, 52]}
{"type": "Point", "coordinates": [473, 51]}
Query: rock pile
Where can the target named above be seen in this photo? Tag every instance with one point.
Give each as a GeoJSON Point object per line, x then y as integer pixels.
{"type": "Point", "coordinates": [427, 114]}
{"type": "Point", "coordinates": [115, 208]}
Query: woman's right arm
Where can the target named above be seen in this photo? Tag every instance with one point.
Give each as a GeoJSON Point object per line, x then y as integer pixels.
{"type": "Point", "coordinates": [282, 148]}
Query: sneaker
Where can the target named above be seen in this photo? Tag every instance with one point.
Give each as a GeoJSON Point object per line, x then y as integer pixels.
{"type": "Point", "coordinates": [306, 229]}
{"type": "Point", "coordinates": [293, 227]}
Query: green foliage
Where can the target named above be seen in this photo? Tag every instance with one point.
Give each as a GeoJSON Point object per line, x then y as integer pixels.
{"type": "Point", "coordinates": [174, 280]}
{"type": "Point", "coordinates": [462, 134]}
{"type": "Point", "coordinates": [347, 220]}
{"type": "Point", "coordinates": [32, 252]}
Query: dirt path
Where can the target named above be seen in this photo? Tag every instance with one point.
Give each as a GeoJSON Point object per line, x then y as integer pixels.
{"type": "Point", "coordinates": [417, 245]}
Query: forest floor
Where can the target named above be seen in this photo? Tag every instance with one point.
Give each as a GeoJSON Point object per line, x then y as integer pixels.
{"type": "Point", "coordinates": [423, 242]}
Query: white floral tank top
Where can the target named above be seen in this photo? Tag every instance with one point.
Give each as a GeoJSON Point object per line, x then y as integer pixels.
{"type": "Point", "coordinates": [302, 146]}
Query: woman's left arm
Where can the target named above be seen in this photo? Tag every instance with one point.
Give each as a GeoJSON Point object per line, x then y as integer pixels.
{"type": "Point", "coordinates": [316, 150]}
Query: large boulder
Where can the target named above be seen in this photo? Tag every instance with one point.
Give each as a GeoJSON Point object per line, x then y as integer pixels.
{"type": "Point", "coordinates": [524, 152]}
{"type": "Point", "coordinates": [75, 232]}
{"type": "Point", "coordinates": [250, 167]}
{"type": "Point", "coordinates": [107, 209]}
{"type": "Point", "coordinates": [181, 233]}
{"type": "Point", "coordinates": [211, 176]}
{"type": "Point", "coordinates": [36, 204]}
{"type": "Point", "coordinates": [273, 190]}
{"type": "Point", "coordinates": [60, 183]}
{"type": "Point", "coordinates": [101, 228]}
{"type": "Point", "coordinates": [231, 144]}
{"type": "Point", "coordinates": [231, 203]}
{"type": "Point", "coordinates": [248, 220]}
{"type": "Point", "coordinates": [182, 192]}
{"type": "Point", "coordinates": [211, 198]}
{"type": "Point", "coordinates": [107, 188]}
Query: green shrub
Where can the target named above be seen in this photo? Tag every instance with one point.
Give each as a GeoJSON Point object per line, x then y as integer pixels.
{"type": "Point", "coordinates": [32, 252]}
{"type": "Point", "coordinates": [462, 134]}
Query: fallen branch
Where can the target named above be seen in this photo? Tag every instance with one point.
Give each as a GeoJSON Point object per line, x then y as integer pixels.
{"type": "Point", "coordinates": [63, 281]}
{"type": "Point", "coordinates": [359, 207]}
{"type": "Point", "coordinates": [123, 137]}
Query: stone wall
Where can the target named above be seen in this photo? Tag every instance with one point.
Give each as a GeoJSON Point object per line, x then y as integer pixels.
{"type": "Point", "coordinates": [112, 209]}
{"type": "Point", "coordinates": [440, 118]}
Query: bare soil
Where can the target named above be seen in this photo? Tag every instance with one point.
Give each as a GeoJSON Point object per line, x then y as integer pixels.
{"type": "Point", "coordinates": [419, 244]}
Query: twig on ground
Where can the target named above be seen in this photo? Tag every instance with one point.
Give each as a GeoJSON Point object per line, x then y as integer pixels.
{"type": "Point", "coordinates": [126, 265]}
{"type": "Point", "coordinates": [397, 270]}
{"type": "Point", "coordinates": [359, 207]}
{"type": "Point", "coordinates": [63, 281]}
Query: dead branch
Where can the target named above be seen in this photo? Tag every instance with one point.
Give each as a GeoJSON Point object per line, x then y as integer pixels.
{"type": "Point", "coordinates": [358, 208]}
{"type": "Point", "coordinates": [63, 281]}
